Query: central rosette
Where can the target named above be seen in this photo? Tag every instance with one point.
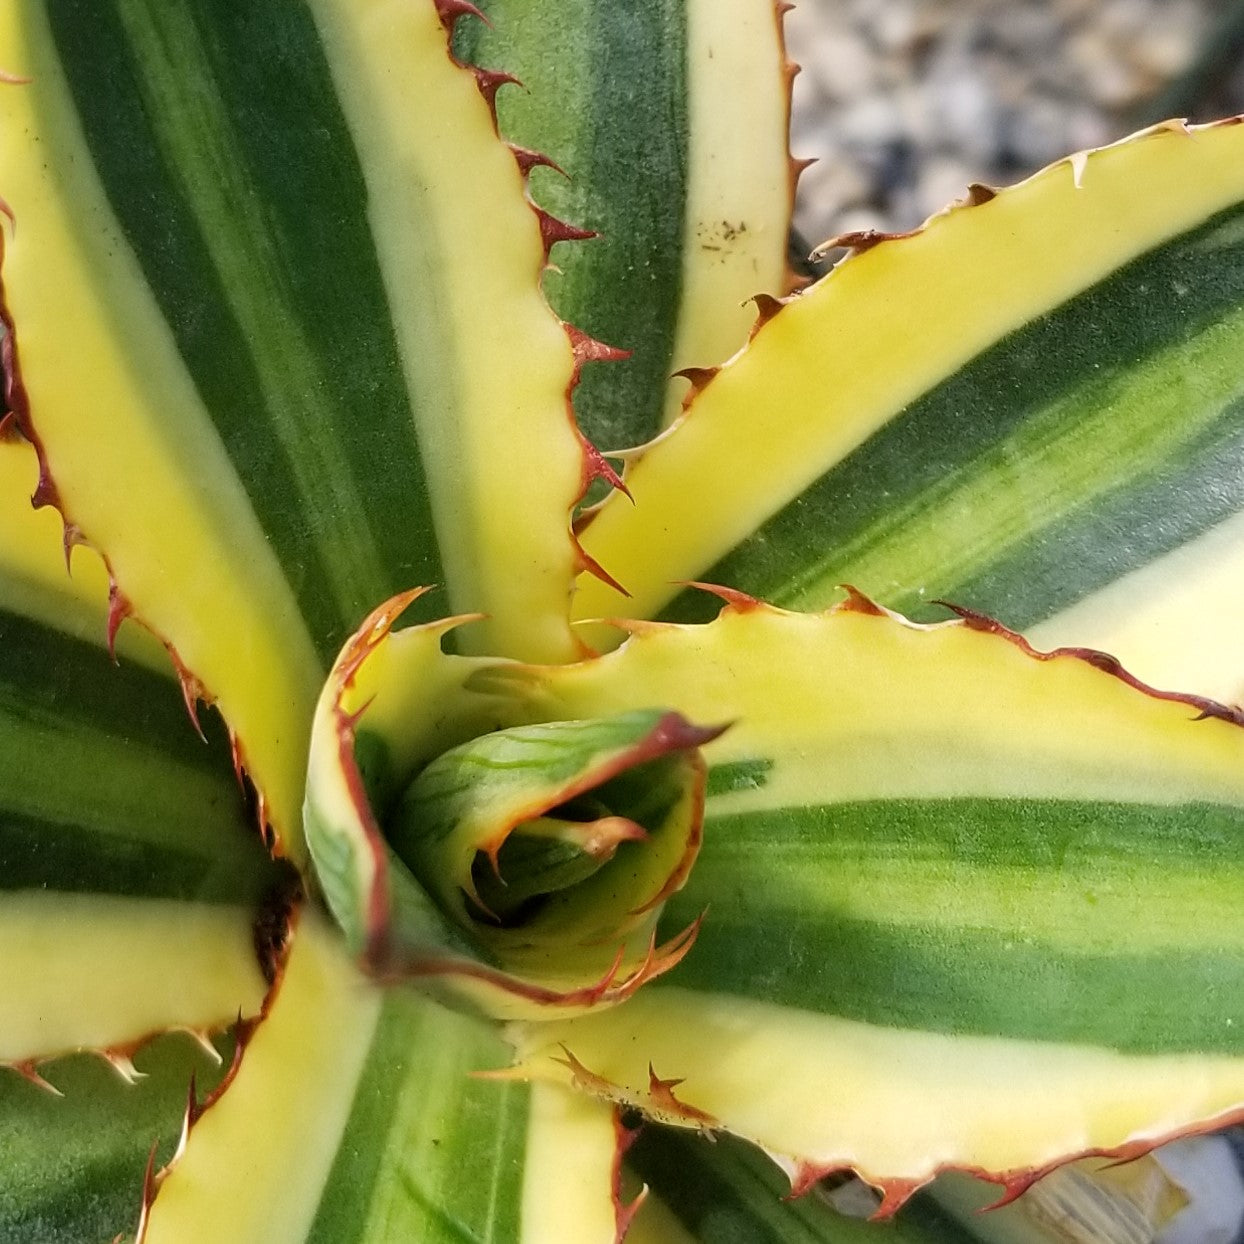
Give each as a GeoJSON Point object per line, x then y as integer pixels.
{"type": "Point", "coordinates": [567, 831]}
{"type": "Point", "coordinates": [504, 861]}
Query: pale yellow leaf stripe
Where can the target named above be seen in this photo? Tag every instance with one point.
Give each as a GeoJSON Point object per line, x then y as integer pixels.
{"type": "Point", "coordinates": [34, 579]}
{"type": "Point", "coordinates": [505, 469]}
{"type": "Point", "coordinates": [877, 697]}
{"type": "Point", "coordinates": [257, 1160]}
{"type": "Point", "coordinates": [894, 1104]}
{"type": "Point", "coordinates": [885, 327]}
{"type": "Point", "coordinates": [92, 971]}
{"type": "Point", "coordinates": [738, 193]}
{"type": "Point", "coordinates": [570, 1148]}
{"type": "Point", "coordinates": [1174, 622]}
{"type": "Point", "coordinates": [156, 493]}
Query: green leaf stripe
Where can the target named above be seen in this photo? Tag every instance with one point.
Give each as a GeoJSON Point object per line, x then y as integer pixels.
{"type": "Point", "coordinates": [673, 115]}
{"type": "Point", "coordinates": [428, 1152]}
{"type": "Point", "coordinates": [1083, 446]}
{"type": "Point", "coordinates": [107, 787]}
{"type": "Point", "coordinates": [738, 775]}
{"type": "Point", "coordinates": [236, 184]}
{"type": "Point", "coordinates": [1108, 923]}
{"type": "Point", "coordinates": [623, 142]}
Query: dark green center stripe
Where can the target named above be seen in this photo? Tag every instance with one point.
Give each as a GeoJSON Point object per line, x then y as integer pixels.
{"type": "Point", "coordinates": [1107, 923]}
{"type": "Point", "coordinates": [429, 1153]}
{"type": "Point", "coordinates": [107, 788]}
{"type": "Point", "coordinates": [607, 99]}
{"type": "Point", "coordinates": [1080, 447]}
{"type": "Point", "coordinates": [236, 184]}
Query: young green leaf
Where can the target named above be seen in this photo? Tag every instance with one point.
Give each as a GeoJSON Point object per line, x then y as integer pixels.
{"type": "Point", "coordinates": [522, 868]}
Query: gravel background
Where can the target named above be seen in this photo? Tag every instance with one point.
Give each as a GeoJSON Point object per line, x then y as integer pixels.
{"type": "Point", "coordinates": [907, 101]}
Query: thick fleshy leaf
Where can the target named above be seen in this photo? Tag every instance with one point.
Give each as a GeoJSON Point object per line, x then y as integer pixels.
{"type": "Point", "coordinates": [73, 1164]}
{"type": "Point", "coordinates": [385, 1131]}
{"type": "Point", "coordinates": [513, 868]}
{"type": "Point", "coordinates": [1031, 407]}
{"type": "Point", "coordinates": [131, 876]}
{"type": "Point", "coordinates": [99, 972]}
{"type": "Point", "coordinates": [965, 906]}
{"type": "Point", "coordinates": [670, 122]}
{"type": "Point", "coordinates": [225, 266]}
{"type": "Point", "coordinates": [131, 880]}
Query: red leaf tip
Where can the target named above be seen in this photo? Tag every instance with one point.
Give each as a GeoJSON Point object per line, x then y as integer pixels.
{"type": "Point", "coordinates": [28, 1070]}
{"type": "Point", "coordinates": [597, 466]}
{"type": "Point", "coordinates": [554, 230]}
{"type": "Point", "coordinates": [586, 562]}
{"type": "Point", "coordinates": [978, 192]}
{"type": "Point", "coordinates": [857, 602]}
{"type": "Point", "coordinates": [734, 600]}
{"type": "Point", "coordinates": [528, 159]}
{"type": "Point", "coordinates": [119, 608]}
{"type": "Point", "coordinates": [588, 349]}
{"type": "Point", "coordinates": [767, 306]}
{"type": "Point", "coordinates": [490, 81]}
{"type": "Point", "coordinates": [661, 1094]}
{"type": "Point", "coordinates": [623, 1212]}
{"type": "Point", "coordinates": [449, 11]}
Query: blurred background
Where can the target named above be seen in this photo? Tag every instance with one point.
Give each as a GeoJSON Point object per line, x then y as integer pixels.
{"type": "Point", "coordinates": [907, 101]}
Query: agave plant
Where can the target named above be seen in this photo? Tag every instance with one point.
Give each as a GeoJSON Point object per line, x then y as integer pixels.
{"type": "Point", "coordinates": [575, 849]}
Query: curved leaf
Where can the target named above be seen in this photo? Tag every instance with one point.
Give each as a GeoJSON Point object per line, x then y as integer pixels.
{"type": "Point", "coordinates": [419, 798]}
{"type": "Point", "coordinates": [66, 277]}
{"type": "Point", "coordinates": [385, 1130]}
{"type": "Point", "coordinates": [1032, 402]}
{"type": "Point", "coordinates": [250, 260]}
{"type": "Point", "coordinates": [965, 905]}
{"type": "Point", "coordinates": [131, 877]}
{"type": "Point", "coordinates": [670, 122]}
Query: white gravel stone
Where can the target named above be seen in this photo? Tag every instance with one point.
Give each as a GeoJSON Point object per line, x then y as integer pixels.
{"type": "Point", "coordinates": [846, 65]}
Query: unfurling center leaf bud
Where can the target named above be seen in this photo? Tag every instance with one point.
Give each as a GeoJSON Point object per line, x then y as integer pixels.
{"type": "Point", "coordinates": [550, 843]}
{"type": "Point", "coordinates": [513, 870]}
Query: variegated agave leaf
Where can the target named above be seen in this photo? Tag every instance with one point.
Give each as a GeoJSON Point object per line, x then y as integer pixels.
{"type": "Point", "coordinates": [864, 893]}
